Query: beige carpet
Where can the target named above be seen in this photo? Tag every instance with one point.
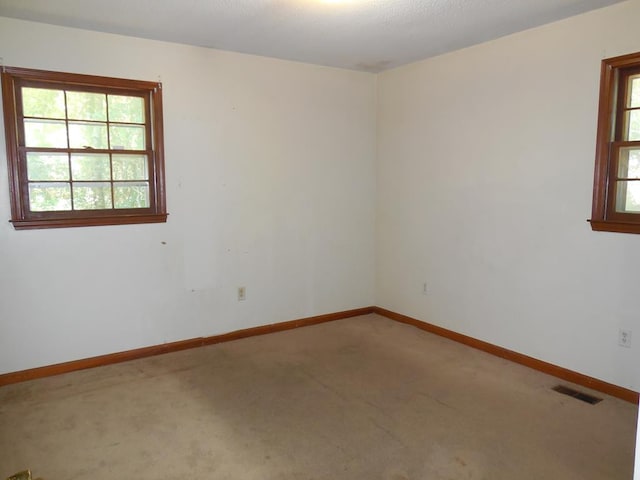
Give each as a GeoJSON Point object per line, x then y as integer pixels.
{"type": "Point", "coordinates": [362, 398]}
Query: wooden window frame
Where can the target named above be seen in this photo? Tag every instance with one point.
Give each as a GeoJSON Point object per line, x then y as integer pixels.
{"type": "Point", "coordinates": [609, 140]}
{"type": "Point", "coordinates": [22, 217]}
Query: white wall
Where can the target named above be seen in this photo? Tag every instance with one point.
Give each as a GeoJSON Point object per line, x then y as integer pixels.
{"type": "Point", "coordinates": [270, 177]}
{"type": "Point", "coordinates": [485, 166]}
{"type": "Point", "coordinates": [485, 171]}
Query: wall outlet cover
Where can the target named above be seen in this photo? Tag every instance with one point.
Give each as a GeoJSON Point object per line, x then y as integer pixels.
{"type": "Point", "coordinates": [624, 338]}
{"type": "Point", "coordinates": [242, 293]}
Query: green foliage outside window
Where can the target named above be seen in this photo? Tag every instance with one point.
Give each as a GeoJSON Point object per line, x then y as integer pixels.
{"type": "Point", "coordinates": [66, 119]}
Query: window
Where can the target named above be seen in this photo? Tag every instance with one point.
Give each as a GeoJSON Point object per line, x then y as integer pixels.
{"type": "Point", "coordinates": [82, 150]}
{"type": "Point", "coordinates": [616, 192]}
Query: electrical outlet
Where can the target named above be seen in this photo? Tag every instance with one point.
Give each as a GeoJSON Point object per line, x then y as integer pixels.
{"type": "Point", "coordinates": [624, 338]}
{"type": "Point", "coordinates": [242, 293]}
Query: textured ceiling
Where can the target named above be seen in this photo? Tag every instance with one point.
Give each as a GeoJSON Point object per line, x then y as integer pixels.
{"type": "Point", "coordinates": [369, 35]}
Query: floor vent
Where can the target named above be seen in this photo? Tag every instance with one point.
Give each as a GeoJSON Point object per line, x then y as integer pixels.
{"type": "Point", "coordinates": [585, 397]}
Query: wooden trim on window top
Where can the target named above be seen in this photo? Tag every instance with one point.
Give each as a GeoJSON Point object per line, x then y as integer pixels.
{"type": "Point", "coordinates": [79, 79]}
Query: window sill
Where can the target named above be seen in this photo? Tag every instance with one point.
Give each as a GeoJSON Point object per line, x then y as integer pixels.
{"type": "Point", "coordinates": [89, 222]}
{"type": "Point", "coordinates": [618, 227]}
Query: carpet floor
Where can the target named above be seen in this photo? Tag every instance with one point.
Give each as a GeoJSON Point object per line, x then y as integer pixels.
{"type": "Point", "coordinates": [361, 398]}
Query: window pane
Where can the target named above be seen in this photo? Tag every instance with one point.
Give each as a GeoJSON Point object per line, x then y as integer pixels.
{"type": "Point", "coordinates": [127, 137]}
{"type": "Point", "coordinates": [86, 106]}
{"type": "Point", "coordinates": [126, 109]}
{"type": "Point", "coordinates": [634, 89]}
{"type": "Point", "coordinates": [633, 125]}
{"type": "Point", "coordinates": [42, 102]}
{"type": "Point", "coordinates": [629, 162]}
{"type": "Point", "coordinates": [47, 166]}
{"type": "Point", "coordinates": [131, 195]}
{"type": "Point", "coordinates": [90, 167]}
{"type": "Point", "coordinates": [130, 167]}
{"type": "Point", "coordinates": [45, 133]}
{"type": "Point", "coordinates": [91, 196]}
{"type": "Point", "coordinates": [84, 134]}
{"type": "Point", "coordinates": [627, 197]}
{"type": "Point", "coordinates": [48, 197]}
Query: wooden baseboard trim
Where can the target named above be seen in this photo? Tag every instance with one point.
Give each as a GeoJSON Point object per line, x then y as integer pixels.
{"type": "Point", "coordinates": [49, 370]}
{"type": "Point", "coordinates": [548, 368]}
{"type": "Point", "coordinates": [545, 367]}
{"type": "Point", "coordinates": [279, 327]}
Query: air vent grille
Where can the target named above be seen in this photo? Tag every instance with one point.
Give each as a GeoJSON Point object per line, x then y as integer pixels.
{"type": "Point", "coordinates": [585, 397]}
